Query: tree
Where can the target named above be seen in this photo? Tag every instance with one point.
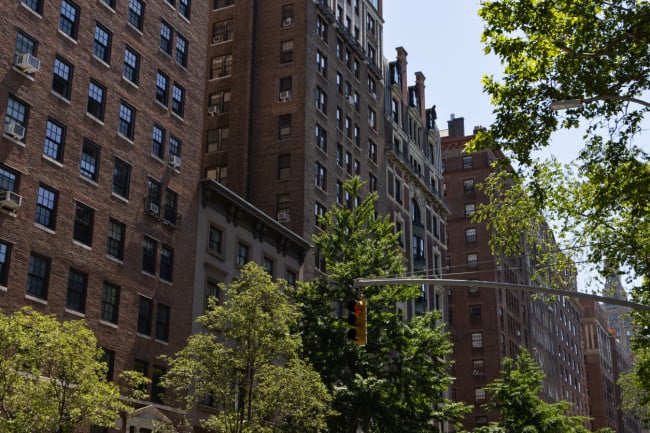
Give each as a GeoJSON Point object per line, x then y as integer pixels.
{"type": "Point", "coordinates": [51, 376]}
{"type": "Point", "coordinates": [515, 397]}
{"type": "Point", "coordinates": [594, 53]}
{"type": "Point", "coordinates": [397, 381]}
{"type": "Point", "coordinates": [245, 363]}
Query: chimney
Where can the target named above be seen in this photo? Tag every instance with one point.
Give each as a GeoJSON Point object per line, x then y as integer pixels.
{"type": "Point", "coordinates": [456, 126]}
{"type": "Point", "coordinates": [478, 128]}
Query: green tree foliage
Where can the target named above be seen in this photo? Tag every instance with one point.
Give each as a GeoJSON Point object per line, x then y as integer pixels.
{"type": "Point", "coordinates": [397, 382]}
{"type": "Point", "coordinates": [516, 398]}
{"type": "Point", "coordinates": [246, 363]}
{"type": "Point", "coordinates": [636, 395]}
{"type": "Point", "coordinates": [595, 52]}
{"type": "Point", "coordinates": [51, 376]}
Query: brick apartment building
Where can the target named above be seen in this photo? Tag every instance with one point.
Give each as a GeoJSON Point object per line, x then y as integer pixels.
{"type": "Point", "coordinates": [294, 104]}
{"type": "Point", "coordinates": [413, 179]}
{"type": "Point", "coordinates": [489, 324]}
{"type": "Point", "coordinates": [99, 165]}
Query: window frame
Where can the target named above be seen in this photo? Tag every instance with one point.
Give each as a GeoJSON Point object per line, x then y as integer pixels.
{"type": "Point", "coordinates": [5, 261]}
{"type": "Point", "coordinates": [40, 276]}
{"type": "Point", "coordinates": [126, 125]}
{"type": "Point", "coordinates": [135, 16]}
{"type": "Point", "coordinates": [115, 239]}
{"type": "Point", "coordinates": [84, 222]}
{"type": "Point", "coordinates": [96, 107]}
{"type": "Point", "coordinates": [90, 160]}
{"type": "Point", "coordinates": [149, 255]}
{"type": "Point", "coordinates": [54, 143]}
{"type": "Point", "coordinates": [69, 25]}
{"type": "Point", "coordinates": [77, 289]}
{"type": "Point", "coordinates": [46, 212]}
{"type": "Point", "coordinates": [131, 65]}
{"type": "Point", "coordinates": [102, 46]}
{"type": "Point", "coordinates": [62, 72]}
{"type": "Point", "coordinates": [121, 184]}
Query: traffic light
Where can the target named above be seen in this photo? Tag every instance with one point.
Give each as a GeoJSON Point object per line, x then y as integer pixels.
{"type": "Point", "coordinates": [357, 320]}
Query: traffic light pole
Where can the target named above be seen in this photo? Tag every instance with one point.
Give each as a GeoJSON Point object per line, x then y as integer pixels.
{"type": "Point", "coordinates": [365, 282]}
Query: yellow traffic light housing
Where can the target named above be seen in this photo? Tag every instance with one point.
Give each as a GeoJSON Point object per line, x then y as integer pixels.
{"type": "Point", "coordinates": [357, 319]}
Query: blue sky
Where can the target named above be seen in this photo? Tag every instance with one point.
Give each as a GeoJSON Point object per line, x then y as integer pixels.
{"type": "Point", "coordinates": [443, 40]}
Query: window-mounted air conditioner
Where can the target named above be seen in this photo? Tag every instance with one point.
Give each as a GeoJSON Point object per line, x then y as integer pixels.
{"type": "Point", "coordinates": [174, 161]}
{"type": "Point", "coordinates": [283, 216]}
{"type": "Point", "coordinates": [10, 200]}
{"type": "Point", "coordinates": [14, 130]}
{"type": "Point", "coordinates": [28, 63]}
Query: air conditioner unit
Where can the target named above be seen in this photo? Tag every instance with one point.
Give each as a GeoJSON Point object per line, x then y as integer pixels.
{"type": "Point", "coordinates": [14, 130]}
{"type": "Point", "coordinates": [10, 200]}
{"type": "Point", "coordinates": [518, 333]}
{"type": "Point", "coordinates": [154, 208]}
{"type": "Point", "coordinates": [28, 63]}
{"type": "Point", "coordinates": [285, 95]}
{"type": "Point", "coordinates": [217, 38]}
{"type": "Point", "coordinates": [287, 21]}
{"type": "Point", "coordinates": [283, 216]}
{"type": "Point", "coordinates": [214, 109]}
{"type": "Point", "coordinates": [476, 373]}
{"type": "Point", "coordinates": [350, 100]}
{"type": "Point", "coordinates": [174, 161]}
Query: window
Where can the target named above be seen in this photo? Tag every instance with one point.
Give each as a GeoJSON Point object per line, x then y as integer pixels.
{"type": "Point", "coordinates": [283, 205]}
{"type": "Point", "coordinates": [89, 161]}
{"type": "Point", "coordinates": [69, 19]}
{"type": "Point", "coordinates": [145, 314]}
{"type": "Point", "coordinates": [149, 253]}
{"type": "Point", "coordinates": [215, 239]}
{"type": "Point", "coordinates": [38, 275]}
{"type": "Point", "coordinates": [468, 161]}
{"type": "Point", "coordinates": [339, 83]}
{"type": "Point", "coordinates": [96, 100]}
{"type": "Point", "coordinates": [131, 68]}
{"type": "Point", "coordinates": [110, 303]}
{"type": "Point", "coordinates": [470, 234]}
{"type": "Point", "coordinates": [35, 5]}
{"type": "Point", "coordinates": [84, 219]}
{"type": "Point", "coordinates": [158, 142]}
{"type": "Point", "coordinates": [472, 260]}
{"type": "Point", "coordinates": [284, 166]}
{"type": "Point", "coordinates": [218, 4]}
{"type": "Point", "coordinates": [357, 167]}
{"type": "Point", "coordinates": [175, 145]}
{"type": "Point", "coordinates": [115, 239]}
{"type": "Point", "coordinates": [319, 262]}
{"type": "Point", "coordinates": [284, 126]}
{"type": "Point", "coordinates": [5, 259]}
{"type": "Point", "coordinates": [268, 265]}
{"type": "Point", "coordinates": [184, 8]}
{"type": "Point", "coordinates": [348, 162]}
{"type": "Point", "coordinates": [321, 176]}
{"type": "Point", "coordinates": [286, 51]}
{"type": "Point", "coordinates": [219, 102]}
{"type": "Point", "coordinates": [217, 138]}
{"type": "Point", "coordinates": [162, 88]}
{"type": "Point", "coordinates": [166, 37]}
{"type": "Point", "coordinates": [475, 312]}
{"type": "Point", "coordinates": [372, 54]}
{"type": "Point", "coordinates": [321, 138]}
{"type": "Point", "coordinates": [9, 179]}
{"type": "Point", "coordinates": [470, 208]}
{"type": "Point", "coordinates": [285, 88]}
{"type": "Point", "coordinates": [126, 120]}
{"type": "Point", "coordinates": [108, 358]}
{"type": "Point", "coordinates": [181, 50]}
{"type": "Point", "coordinates": [222, 31]}
{"type": "Point", "coordinates": [62, 78]}
{"type": "Point", "coordinates": [372, 182]}
{"type": "Point", "coordinates": [291, 277]}
{"type": "Point", "coordinates": [121, 178]}
{"type": "Point", "coordinates": [372, 118]}
{"type": "Point", "coordinates": [398, 191]}
{"type": "Point", "coordinates": [477, 340]}
{"type": "Point", "coordinates": [54, 140]}
{"type": "Point", "coordinates": [286, 15]}
{"type": "Point", "coordinates": [339, 118]}
{"type": "Point", "coordinates": [171, 207]}
{"type": "Point", "coordinates": [357, 136]}
{"type": "Point", "coordinates": [162, 322]}
{"type": "Point", "coordinates": [321, 100]}
{"type": "Point", "coordinates": [339, 192]}
{"type": "Point", "coordinates": [110, 3]}
{"type": "Point", "coordinates": [479, 395]}
{"type": "Point", "coordinates": [221, 66]}
{"type": "Point", "coordinates": [24, 45]}
{"type": "Point", "coordinates": [76, 295]}
{"type": "Point", "coordinates": [154, 190]}
{"type": "Point", "coordinates": [319, 211]}
{"type": "Point", "coordinates": [355, 68]}
{"type": "Point", "coordinates": [478, 367]}
{"type": "Point", "coordinates": [136, 13]}
{"type": "Point", "coordinates": [348, 127]}
{"type": "Point", "coordinates": [178, 100]}
{"type": "Point", "coordinates": [468, 186]}
{"type": "Point", "coordinates": [372, 151]}
{"type": "Point", "coordinates": [211, 292]}
{"type": "Point", "coordinates": [46, 207]}
{"type": "Point", "coordinates": [321, 28]}
{"type": "Point", "coordinates": [157, 390]}
{"type": "Point", "coordinates": [102, 44]}
{"type": "Point", "coordinates": [321, 63]}
{"type": "Point", "coordinates": [339, 155]}
{"type": "Point", "coordinates": [172, 3]}
{"type": "Point", "coordinates": [372, 87]}
{"type": "Point", "coordinates": [242, 254]}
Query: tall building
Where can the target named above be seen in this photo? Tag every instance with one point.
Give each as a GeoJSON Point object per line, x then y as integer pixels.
{"type": "Point", "coordinates": [488, 325]}
{"type": "Point", "coordinates": [412, 193]}
{"type": "Point", "coordinates": [294, 104]}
